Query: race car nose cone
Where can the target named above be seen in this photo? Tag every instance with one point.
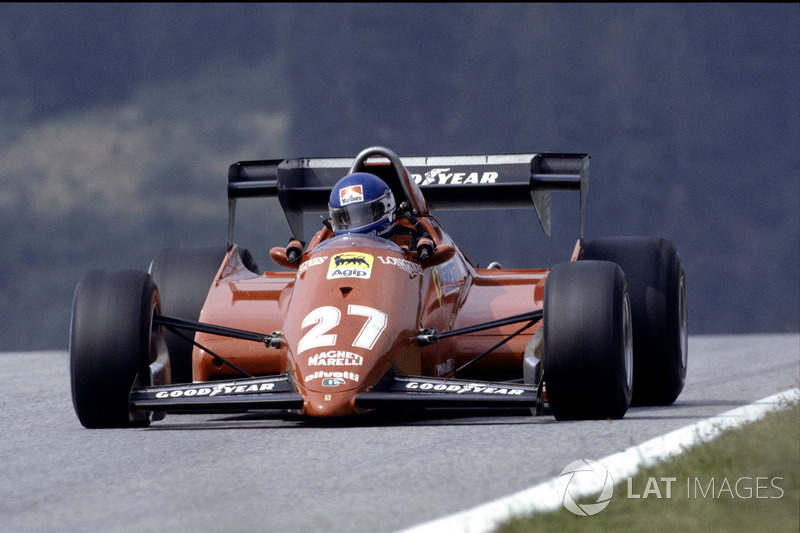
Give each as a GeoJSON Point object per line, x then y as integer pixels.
{"type": "Point", "coordinates": [329, 404]}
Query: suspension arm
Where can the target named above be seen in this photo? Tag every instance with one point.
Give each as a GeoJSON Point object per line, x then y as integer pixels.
{"type": "Point", "coordinates": [272, 340]}
{"type": "Point", "coordinates": [431, 336]}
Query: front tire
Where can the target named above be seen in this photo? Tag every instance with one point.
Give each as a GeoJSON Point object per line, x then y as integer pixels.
{"type": "Point", "coordinates": [112, 343]}
{"type": "Point", "coordinates": [588, 356]}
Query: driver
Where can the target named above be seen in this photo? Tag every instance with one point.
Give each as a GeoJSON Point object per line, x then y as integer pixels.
{"type": "Point", "coordinates": [363, 203]}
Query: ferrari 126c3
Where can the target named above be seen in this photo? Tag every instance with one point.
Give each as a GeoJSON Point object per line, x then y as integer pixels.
{"type": "Point", "coordinates": [361, 321]}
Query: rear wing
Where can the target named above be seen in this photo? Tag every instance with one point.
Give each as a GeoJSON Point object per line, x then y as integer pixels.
{"type": "Point", "coordinates": [500, 181]}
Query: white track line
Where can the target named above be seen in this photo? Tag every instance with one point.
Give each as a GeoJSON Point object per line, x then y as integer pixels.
{"type": "Point", "coordinates": [544, 497]}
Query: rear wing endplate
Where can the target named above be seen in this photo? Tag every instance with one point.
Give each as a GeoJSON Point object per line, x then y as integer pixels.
{"type": "Point", "coordinates": [501, 181]}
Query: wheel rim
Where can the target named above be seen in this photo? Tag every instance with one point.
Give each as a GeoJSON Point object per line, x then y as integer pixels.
{"type": "Point", "coordinates": [155, 343]}
{"type": "Point", "coordinates": [155, 330]}
{"type": "Point", "coordinates": [627, 340]}
{"type": "Point", "coordinates": [683, 321]}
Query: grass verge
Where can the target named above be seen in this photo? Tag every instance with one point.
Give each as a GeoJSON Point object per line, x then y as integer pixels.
{"type": "Point", "coordinates": [747, 479]}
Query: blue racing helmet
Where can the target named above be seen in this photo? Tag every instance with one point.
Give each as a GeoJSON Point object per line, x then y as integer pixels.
{"type": "Point", "coordinates": [362, 203]}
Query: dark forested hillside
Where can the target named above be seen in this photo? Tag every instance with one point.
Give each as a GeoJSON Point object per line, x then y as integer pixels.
{"type": "Point", "coordinates": [118, 122]}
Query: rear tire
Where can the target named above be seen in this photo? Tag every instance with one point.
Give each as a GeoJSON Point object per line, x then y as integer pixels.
{"type": "Point", "coordinates": [588, 355]}
{"type": "Point", "coordinates": [112, 343]}
{"type": "Point", "coordinates": [657, 283]}
{"type": "Point", "coordinates": [184, 276]}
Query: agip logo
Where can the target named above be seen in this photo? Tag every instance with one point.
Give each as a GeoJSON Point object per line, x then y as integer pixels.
{"type": "Point", "coordinates": [350, 265]}
{"type": "Point", "coordinates": [581, 479]}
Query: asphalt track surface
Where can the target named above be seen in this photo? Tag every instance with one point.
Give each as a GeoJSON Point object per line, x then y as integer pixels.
{"type": "Point", "coordinates": [273, 472]}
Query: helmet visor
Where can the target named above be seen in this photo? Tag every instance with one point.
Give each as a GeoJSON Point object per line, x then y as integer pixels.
{"type": "Point", "coordinates": [358, 215]}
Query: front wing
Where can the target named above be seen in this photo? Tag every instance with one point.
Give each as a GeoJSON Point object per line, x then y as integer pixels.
{"type": "Point", "coordinates": [275, 392]}
{"type": "Point", "coordinates": [278, 392]}
{"type": "Point", "coordinates": [397, 390]}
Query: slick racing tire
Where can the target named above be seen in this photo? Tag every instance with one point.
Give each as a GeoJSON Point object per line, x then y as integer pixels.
{"type": "Point", "coordinates": [657, 284]}
{"type": "Point", "coordinates": [183, 276]}
{"type": "Point", "coordinates": [588, 356]}
{"type": "Point", "coordinates": [112, 343]}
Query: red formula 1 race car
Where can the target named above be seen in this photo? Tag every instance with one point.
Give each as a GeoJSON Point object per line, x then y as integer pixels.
{"type": "Point", "coordinates": [381, 309]}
